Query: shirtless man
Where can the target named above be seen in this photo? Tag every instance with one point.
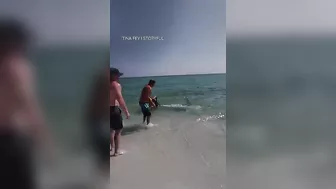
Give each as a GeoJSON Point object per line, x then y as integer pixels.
{"type": "Point", "coordinates": [20, 112]}
{"type": "Point", "coordinates": [146, 102]}
{"type": "Point", "coordinates": [117, 103]}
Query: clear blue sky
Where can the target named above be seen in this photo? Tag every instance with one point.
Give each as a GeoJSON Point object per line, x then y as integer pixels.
{"type": "Point", "coordinates": [193, 31]}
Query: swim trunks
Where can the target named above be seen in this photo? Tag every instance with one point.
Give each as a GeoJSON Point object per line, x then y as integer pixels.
{"type": "Point", "coordinates": [145, 108]}
{"type": "Point", "coordinates": [116, 121]}
{"type": "Point", "coordinates": [17, 170]}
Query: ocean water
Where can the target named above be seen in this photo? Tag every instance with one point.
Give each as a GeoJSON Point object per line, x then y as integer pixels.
{"type": "Point", "coordinates": [206, 95]}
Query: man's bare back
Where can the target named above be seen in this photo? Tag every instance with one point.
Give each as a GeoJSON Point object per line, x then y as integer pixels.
{"type": "Point", "coordinates": [115, 86]}
{"type": "Point", "coordinates": [16, 93]}
{"type": "Point", "coordinates": [116, 98]}
{"type": "Point", "coordinates": [145, 94]}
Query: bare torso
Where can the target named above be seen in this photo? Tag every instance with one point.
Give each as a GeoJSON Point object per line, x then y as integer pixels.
{"type": "Point", "coordinates": [10, 105]}
{"type": "Point", "coordinates": [146, 92]}
{"type": "Point", "coordinates": [113, 93]}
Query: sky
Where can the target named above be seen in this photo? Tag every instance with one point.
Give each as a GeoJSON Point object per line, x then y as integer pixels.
{"type": "Point", "coordinates": [193, 33]}
{"type": "Point", "coordinates": [63, 21]}
{"type": "Point", "coordinates": [285, 17]}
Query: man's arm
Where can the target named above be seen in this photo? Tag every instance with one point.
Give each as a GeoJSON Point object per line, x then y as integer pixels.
{"type": "Point", "coordinates": [149, 92]}
{"type": "Point", "coordinates": [120, 99]}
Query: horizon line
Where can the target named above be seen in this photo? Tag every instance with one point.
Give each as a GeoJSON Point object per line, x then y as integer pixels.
{"type": "Point", "coordinates": [129, 77]}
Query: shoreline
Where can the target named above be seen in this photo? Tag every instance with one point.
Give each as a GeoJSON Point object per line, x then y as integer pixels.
{"type": "Point", "coordinates": [178, 153]}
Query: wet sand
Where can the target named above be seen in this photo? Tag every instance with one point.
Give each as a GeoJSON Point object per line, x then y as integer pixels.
{"type": "Point", "coordinates": [176, 154]}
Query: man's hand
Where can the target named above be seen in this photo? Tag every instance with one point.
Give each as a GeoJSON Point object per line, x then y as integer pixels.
{"type": "Point", "coordinates": [128, 115]}
{"type": "Point", "coordinates": [152, 104]}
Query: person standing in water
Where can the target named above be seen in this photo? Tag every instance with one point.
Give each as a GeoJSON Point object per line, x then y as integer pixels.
{"type": "Point", "coordinates": [20, 112]}
{"type": "Point", "coordinates": [146, 102]}
{"type": "Point", "coordinates": [117, 103]}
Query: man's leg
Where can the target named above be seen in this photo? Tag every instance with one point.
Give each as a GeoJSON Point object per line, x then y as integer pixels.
{"type": "Point", "coordinates": [118, 126]}
{"type": "Point", "coordinates": [117, 142]}
{"type": "Point", "coordinates": [148, 117]}
{"type": "Point", "coordinates": [143, 113]}
{"type": "Point", "coordinates": [112, 139]}
{"type": "Point", "coordinates": [144, 118]}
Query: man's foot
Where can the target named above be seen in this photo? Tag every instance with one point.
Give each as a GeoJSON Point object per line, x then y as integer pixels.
{"type": "Point", "coordinates": [151, 125]}
{"type": "Point", "coordinates": [118, 153]}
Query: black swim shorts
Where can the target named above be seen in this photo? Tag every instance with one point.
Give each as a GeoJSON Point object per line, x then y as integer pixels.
{"type": "Point", "coordinates": [116, 120]}
{"type": "Point", "coordinates": [16, 168]}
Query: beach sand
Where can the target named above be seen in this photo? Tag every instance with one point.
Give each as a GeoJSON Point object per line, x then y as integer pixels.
{"type": "Point", "coordinates": [176, 154]}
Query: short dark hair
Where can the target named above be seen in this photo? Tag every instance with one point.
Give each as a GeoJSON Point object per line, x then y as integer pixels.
{"type": "Point", "coordinates": [115, 71]}
{"type": "Point", "coordinates": [151, 82]}
{"type": "Point", "coordinates": [13, 35]}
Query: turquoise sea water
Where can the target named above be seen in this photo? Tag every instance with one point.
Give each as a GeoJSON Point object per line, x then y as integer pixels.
{"type": "Point", "coordinates": [206, 93]}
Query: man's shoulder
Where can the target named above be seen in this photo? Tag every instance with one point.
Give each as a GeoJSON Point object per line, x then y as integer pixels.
{"type": "Point", "coordinates": [20, 67]}
{"type": "Point", "coordinates": [115, 84]}
{"type": "Point", "coordinates": [145, 88]}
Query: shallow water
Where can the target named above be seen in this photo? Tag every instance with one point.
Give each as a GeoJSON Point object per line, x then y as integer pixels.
{"type": "Point", "coordinates": [205, 93]}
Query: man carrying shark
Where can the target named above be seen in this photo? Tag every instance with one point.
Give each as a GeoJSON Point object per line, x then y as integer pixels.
{"type": "Point", "coordinates": [147, 102]}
